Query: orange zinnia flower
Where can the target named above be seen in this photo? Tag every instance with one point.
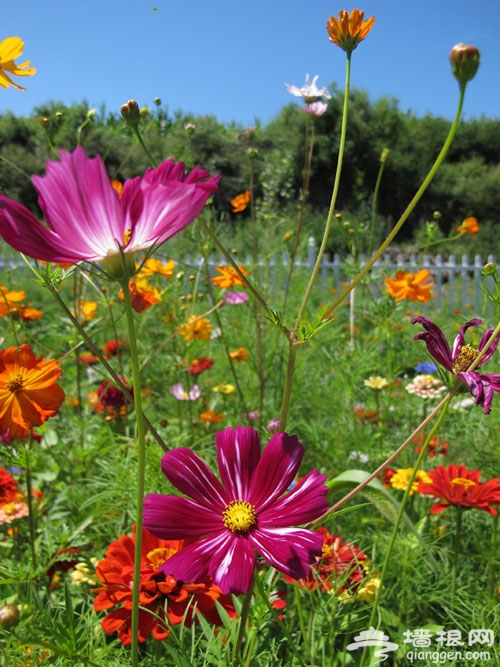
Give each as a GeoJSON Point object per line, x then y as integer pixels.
{"type": "Point", "coordinates": [411, 286]}
{"type": "Point", "coordinates": [163, 601]}
{"type": "Point", "coordinates": [229, 276]}
{"type": "Point", "coordinates": [469, 226]}
{"type": "Point", "coordinates": [211, 417]}
{"type": "Point", "coordinates": [197, 328]}
{"type": "Point", "coordinates": [241, 201]}
{"type": "Point", "coordinates": [347, 31]}
{"type": "Point", "coordinates": [28, 390]}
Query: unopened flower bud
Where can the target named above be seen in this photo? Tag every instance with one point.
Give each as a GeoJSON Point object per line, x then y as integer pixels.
{"type": "Point", "coordinates": [157, 101]}
{"type": "Point", "coordinates": [44, 122]}
{"type": "Point", "coordinates": [287, 236]}
{"type": "Point", "coordinates": [464, 60]}
{"type": "Point", "coordinates": [91, 113]}
{"type": "Point", "coordinates": [252, 153]}
{"type": "Point", "coordinates": [384, 155]}
{"type": "Point", "coordinates": [190, 128]}
{"type": "Point", "coordinates": [9, 615]}
{"type": "Point", "coordinates": [436, 215]}
{"type": "Point", "coordinates": [144, 111]}
{"type": "Point", "coordinates": [489, 269]}
{"type": "Point", "coordinates": [131, 113]}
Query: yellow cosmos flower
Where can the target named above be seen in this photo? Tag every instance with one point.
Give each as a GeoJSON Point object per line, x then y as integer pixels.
{"type": "Point", "coordinates": [401, 479]}
{"type": "Point", "coordinates": [12, 48]}
{"type": "Point", "coordinates": [411, 286]}
{"type": "Point", "coordinates": [224, 388]}
{"type": "Point", "coordinates": [241, 354]}
{"type": "Point", "coordinates": [469, 226]}
{"type": "Point", "coordinates": [348, 30]}
{"type": "Point", "coordinates": [154, 266]}
{"type": "Point", "coordinates": [196, 328]}
{"type": "Point", "coordinates": [376, 382]}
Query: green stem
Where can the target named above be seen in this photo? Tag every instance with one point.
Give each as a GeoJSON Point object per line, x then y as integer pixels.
{"type": "Point", "coordinates": [493, 561]}
{"type": "Point", "coordinates": [29, 492]}
{"type": "Point", "coordinates": [141, 464]}
{"type": "Point", "coordinates": [374, 203]}
{"type": "Point", "coordinates": [456, 551]}
{"type": "Point", "coordinates": [150, 157]}
{"type": "Point", "coordinates": [409, 208]}
{"type": "Point", "coordinates": [243, 622]}
{"type": "Point", "coordinates": [399, 517]}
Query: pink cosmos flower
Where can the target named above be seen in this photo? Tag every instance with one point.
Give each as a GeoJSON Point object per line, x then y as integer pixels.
{"type": "Point", "coordinates": [88, 219]}
{"type": "Point", "coordinates": [177, 390]}
{"type": "Point", "coordinates": [235, 298]}
{"type": "Point", "coordinates": [309, 92]}
{"type": "Point", "coordinates": [316, 108]}
{"type": "Point", "coordinates": [244, 514]}
{"type": "Point", "coordinates": [458, 359]}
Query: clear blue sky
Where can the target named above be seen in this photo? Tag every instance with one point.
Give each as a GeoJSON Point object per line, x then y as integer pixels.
{"type": "Point", "coordinates": [231, 59]}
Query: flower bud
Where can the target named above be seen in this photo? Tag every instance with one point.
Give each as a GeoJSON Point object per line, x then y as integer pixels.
{"type": "Point", "coordinates": [384, 155]}
{"type": "Point", "coordinates": [190, 128]}
{"type": "Point", "coordinates": [489, 269]}
{"type": "Point", "coordinates": [464, 60]}
{"type": "Point", "coordinates": [9, 615]}
{"type": "Point", "coordinates": [44, 122]}
{"type": "Point", "coordinates": [131, 113]}
{"type": "Point", "coordinates": [157, 101]}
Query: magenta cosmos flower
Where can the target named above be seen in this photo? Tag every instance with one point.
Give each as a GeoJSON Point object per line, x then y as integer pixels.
{"type": "Point", "coordinates": [89, 219]}
{"type": "Point", "coordinates": [244, 514]}
{"type": "Point", "coordinates": [458, 359]}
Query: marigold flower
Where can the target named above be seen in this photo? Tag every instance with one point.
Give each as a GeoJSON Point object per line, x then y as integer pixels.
{"type": "Point", "coordinates": [196, 328]}
{"type": "Point", "coordinates": [243, 514]}
{"type": "Point", "coordinates": [241, 354]}
{"type": "Point", "coordinates": [141, 299]}
{"type": "Point", "coordinates": [348, 30]}
{"type": "Point", "coordinates": [163, 600]}
{"type": "Point", "coordinates": [10, 49]}
{"type": "Point", "coordinates": [229, 276]}
{"type": "Point", "coordinates": [28, 390]}
{"type": "Point", "coordinates": [309, 92]}
{"type": "Point", "coordinates": [200, 365]}
{"type": "Point", "coordinates": [401, 479]}
{"type": "Point", "coordinates": [426, 386]}
{"type": "Point", "coordinates": [211, 417]}
{"type": "Point", "coordinates": [241, 201]}
{"type": "Point", "coordinates": [411, 286]}
{"type": "Point", "coordinates": [469, 226]}
{"type": "Point", "coordinates": [341, 568]}
{"type": "Point", "coordinates": [455, 485]}
{"type": "Point", "coordinates": [458, 359]}
{"type": "Point", "coordinates": [88, 220]}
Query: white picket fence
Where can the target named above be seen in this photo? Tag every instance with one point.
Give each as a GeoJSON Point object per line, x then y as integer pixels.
{"type": "Point", "coordinates": [458, 282]}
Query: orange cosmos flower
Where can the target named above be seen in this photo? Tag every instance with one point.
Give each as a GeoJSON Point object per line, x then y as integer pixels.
{"type": "Point", "coordinates": [348, 30]}
{"type": "Point", "coordinates": [28, 390]}
{"type": "Point", "coordinates": [211, 417]}
{"type": "Point", "coordinates": [85, 311]}
{"type": "Point", "coordinates": [241, 201]}
{"type": "Point", "coordinates": [469, 226]}
{"type": "Point", "coordinates": [197, 328]}
{"type": "Point", "coordinates": [163, 600]}
{"type": "Point", "coordinates": [30, 314]}
{"type": "Point", "coordinates": [411, 286]}
{"type": "Point", "coordinates": [229, 276]}
{"type": "Point", "coordinates": [10, 49]}
{"type": "Point", "coordinates": [10, 300]}
{"type": "Point", "coordinates": [141, 299]}
{"type": "Point", "coordinates": [241, 354]}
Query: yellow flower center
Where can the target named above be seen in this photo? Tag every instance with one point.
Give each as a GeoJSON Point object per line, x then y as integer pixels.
{"type": "Point", "coordinates": [127, 235]}
{"type": "Point", "coordinates": [466, 356]}
{"type": "Point", "coordinates": [14, 383]}
{"type": "Point", "coordinates": [461, 481]}
{"type": "Point", "coordinates": [239, 516]}
{"type": "Point", "coordinates": [158, 556]}
{"type": "Point", "coordinates": [9, 509]}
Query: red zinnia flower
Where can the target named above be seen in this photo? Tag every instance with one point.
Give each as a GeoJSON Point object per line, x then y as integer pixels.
{"type": "Point", "coordinates": [455, 485]}
{"type": "Point", "coordinates": [200, 365]}
{"type": "Point", "coordinates": [8, 488]}
{"type": "Point", "coordinates": [243, 514]}
{"type": "Point", "coordinates": [164, 601]}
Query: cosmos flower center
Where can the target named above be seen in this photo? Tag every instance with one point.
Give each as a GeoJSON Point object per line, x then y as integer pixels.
{"type": "Point", "coordinates": [127, 235]}
{"type": "Point", "coordinates": [14, 383]}
{"type": "Point", "coordinates": [239, 516]}
{"type": "Point", "coordinates": [461, 481]}
{"type": "Point", "coordinates": [465, 357]}
{"type": "Point", "coordinates": [158, 556]}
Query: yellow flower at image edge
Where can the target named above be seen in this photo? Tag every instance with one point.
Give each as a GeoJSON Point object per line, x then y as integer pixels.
{"type": "Point", "coordinates": [411, 286]}
{"type": "Point", "coordinates": [10, 49]}
{"type": "Point", "coordinates": [349, 29]}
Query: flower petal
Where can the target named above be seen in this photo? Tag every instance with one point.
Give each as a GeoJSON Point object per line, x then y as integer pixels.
{"type": "Point", "coordinates": [238, 454]}
{"type": "Point", "coordinates": [176, 518]}
{"type": "Point", "coordinates": [434, 338]}
{"type": "Point", "coordinates": [306, 502]}
{"type": "Point", "coordinates": [193, 477]}
{"type": "Point", "coordinates": [492, 348]}
{"type": "Point", "coordinates": [460, 339]}
{"type": "Point", "coordinates": [277, 468]}
{"type": "Point", "coordinates": [290, 550]}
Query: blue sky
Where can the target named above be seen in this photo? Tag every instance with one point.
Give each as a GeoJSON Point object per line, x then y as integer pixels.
{"type": "Point", "coordinates": [231, 59]}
